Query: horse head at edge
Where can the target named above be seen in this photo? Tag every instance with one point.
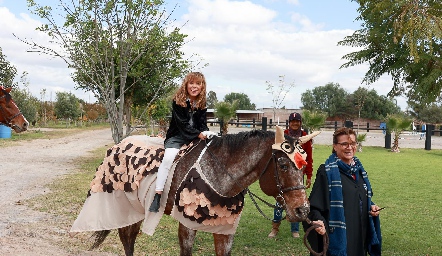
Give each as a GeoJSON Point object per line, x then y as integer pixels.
{"type": "Point", "coordinates": [10, 114]}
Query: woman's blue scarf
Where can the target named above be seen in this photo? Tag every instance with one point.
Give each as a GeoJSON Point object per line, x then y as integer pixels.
{"type": "Point", "coordinates": [337, 226]}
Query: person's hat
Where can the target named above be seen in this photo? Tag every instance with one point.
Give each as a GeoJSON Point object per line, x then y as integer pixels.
{"type": "Point", "coordinates": [295, 116]}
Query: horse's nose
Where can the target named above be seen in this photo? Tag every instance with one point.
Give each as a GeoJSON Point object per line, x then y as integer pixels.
{"type": "Point", "coordinates": [25, 126]}
{"type": "Point", "coordinates": [302, 212]}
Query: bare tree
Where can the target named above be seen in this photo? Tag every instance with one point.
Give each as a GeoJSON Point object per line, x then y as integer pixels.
{"type": "Point", "coordinates": [278, 92]}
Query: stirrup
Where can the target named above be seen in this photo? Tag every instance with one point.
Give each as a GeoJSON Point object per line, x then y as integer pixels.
{"type": "Point", "coordinates": [155, 206]}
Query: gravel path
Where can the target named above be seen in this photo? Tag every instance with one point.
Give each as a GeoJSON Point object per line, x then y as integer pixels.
{"type": "Point", "coordinates": [25, 170]}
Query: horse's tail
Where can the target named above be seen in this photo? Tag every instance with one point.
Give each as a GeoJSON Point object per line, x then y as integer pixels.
{"type": "Point", "coordinates": [99, 237]}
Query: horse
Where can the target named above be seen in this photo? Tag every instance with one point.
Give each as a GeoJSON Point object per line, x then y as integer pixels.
{"type": "Point", "coordinates": [230, 164]}
{"type": "Point", "coordinates": [10, 114]}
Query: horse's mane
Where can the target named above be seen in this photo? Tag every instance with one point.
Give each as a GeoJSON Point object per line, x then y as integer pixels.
{"type": "Point", "coordinates": [235, 141]}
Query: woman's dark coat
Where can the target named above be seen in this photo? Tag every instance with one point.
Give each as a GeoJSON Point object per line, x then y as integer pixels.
{"type": "Point", "coordinates": [355, 211]}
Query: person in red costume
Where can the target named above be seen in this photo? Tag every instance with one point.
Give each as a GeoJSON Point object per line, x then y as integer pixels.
{"type": "Point", "coordinates": [295, 130]}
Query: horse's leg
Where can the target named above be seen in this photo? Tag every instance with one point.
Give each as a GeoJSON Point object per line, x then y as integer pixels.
{"type": "Point", "coordinates": [127, 237]}
{"type": "Point", "coordinates": [186, 237]}
{"type": "Point", "coordinates": [223, 244]}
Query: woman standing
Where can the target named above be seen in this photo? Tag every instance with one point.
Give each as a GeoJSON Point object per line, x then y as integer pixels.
{"type": "Point", "coordinates": [340, 203]}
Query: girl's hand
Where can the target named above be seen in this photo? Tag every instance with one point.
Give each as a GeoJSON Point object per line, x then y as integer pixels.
{"type": "Point", "coordinates": [201, 136]}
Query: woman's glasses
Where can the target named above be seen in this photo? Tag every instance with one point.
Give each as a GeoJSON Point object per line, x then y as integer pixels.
{"type": "Point", "coordinates": [346, 144]}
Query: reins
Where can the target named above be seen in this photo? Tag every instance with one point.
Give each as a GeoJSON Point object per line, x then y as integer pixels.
{"type": "Point", "coordinates": [325, 239]}
{"type": "Point", "coordinates": [252, 196]}
{"type": "Point", "coordinates": [280, 194]}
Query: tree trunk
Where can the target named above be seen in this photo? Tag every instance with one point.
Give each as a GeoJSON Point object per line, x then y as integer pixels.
{"type": "Point", "coordinates": [395, 147]}
{"type": "Point", "coordinates": [128, 113]}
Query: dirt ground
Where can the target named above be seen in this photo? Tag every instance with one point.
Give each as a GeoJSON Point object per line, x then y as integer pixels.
{"type": "Point", "coordinates": [26, 169]}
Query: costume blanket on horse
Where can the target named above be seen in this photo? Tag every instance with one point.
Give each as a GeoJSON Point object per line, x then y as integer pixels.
{"type": "Point", "coordinates": [124, 187]}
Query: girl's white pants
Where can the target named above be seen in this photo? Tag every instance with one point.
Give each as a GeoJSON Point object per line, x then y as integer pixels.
{"type": "Point", "coordinates": [163, 170]}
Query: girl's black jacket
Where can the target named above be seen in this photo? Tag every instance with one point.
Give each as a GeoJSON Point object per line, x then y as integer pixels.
{"type": "Point", "coordinates": [182, 120]}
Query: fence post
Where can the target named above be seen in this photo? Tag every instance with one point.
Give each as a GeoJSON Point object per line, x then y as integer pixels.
{"type": "Point", "coordinates": [237, 121]}
{"type": "Point", "coordinates": [428, 130]}
{"type": "Point", "coordinates": [286, 124]}
{"type": "Point", "coordinates": [264, 123]}
{"type": "Point", "coordinates": [253, 122]}
{"type": "Point", "coordinates": [270, 123]}
{"type": "Point", "coordinates": [221, 123]}
{"type": "Point", "coordinates": [368, 126]}
{"type": "Point", "coordinates": [336, 125]}
{"type": "Point", "coordinates": [387, 140]}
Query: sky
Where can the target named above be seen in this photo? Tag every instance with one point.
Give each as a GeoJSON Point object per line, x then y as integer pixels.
{"type": "Point", "coordinates": [245, 43]}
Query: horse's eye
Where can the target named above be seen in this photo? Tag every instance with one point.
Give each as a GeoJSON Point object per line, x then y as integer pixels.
{"type": "Point", "coordinates": [283, 163]}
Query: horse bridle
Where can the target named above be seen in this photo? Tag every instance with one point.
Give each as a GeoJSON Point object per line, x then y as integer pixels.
{"type": "Point", "coordinates": [280, 194]}
{"type": "Point", "coordinates": [281, 190]}
{"type": "Point", "coordinates": [3, 112]}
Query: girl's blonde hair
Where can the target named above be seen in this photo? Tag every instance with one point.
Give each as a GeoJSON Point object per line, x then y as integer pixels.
{"type": "Point", "coordinates": [181, 94]}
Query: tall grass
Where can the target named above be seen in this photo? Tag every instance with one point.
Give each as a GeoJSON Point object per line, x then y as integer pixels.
{"type": "Point", "coordinates": [406, 183]}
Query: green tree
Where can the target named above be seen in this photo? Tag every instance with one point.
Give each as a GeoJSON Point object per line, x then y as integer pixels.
{"type": "Point", "coordinates": [27, 103]}
{"type": "Point", "coordinates": [400, 38]}
{"type": "Point", "coordinates": [7, 71]}
{"type": "Point", "coordinates": [396, 124]}
{"type": "Point", "coordinates": [211, 99]}
{"type": "Point", "coordinates": [106, 42]}
{"type": "Point", "coordinates": [225, 111]}
{"type": "Point", "coordinates": [67, 106]}
{"type": "Point", "coordinates": [368, 104]}
{"type": "Point", "coordinates": [330, 99]}
{"type": "Point", "coordinates": [242, 101]}
{"type": "Point", "coordinates": [431, 114]}
{"type": "Point", "coordinates": [313, 120]}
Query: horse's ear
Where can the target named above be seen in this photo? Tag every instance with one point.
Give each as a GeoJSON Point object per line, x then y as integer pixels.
{"type": "Point", "coordinates": [308, 137]}
{"type": "Point", "coordinates": [279, 136]}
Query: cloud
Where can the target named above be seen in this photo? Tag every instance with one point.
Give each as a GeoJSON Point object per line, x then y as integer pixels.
{"type": "Point", "coordinates": [244, 51]}
{"type": "Point", "coordinates": [44, 72]}
{"type": "Point", "coordinates": [246, 43]}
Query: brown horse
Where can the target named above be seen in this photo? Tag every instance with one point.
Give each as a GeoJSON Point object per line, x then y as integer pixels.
{"type": "Point", "coordinates": [10, 115]}
{"type": "Point", "coordinates": [230, 163]}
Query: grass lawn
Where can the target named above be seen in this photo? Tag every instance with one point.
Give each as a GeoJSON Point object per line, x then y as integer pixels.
{"type": "Point", "coordinates": [406, 183]}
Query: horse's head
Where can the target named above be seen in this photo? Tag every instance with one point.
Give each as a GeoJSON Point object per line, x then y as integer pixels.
{"type": "Point", "coordinates": [284, 178]}
{"type": "Point", "coordinates": [10, 115]}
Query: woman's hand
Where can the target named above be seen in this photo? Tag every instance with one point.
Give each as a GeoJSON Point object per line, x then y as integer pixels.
{"type": "Point", "coordinates": [375, 210]}
{"type": "Point", "coordinates": [321, 229]}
